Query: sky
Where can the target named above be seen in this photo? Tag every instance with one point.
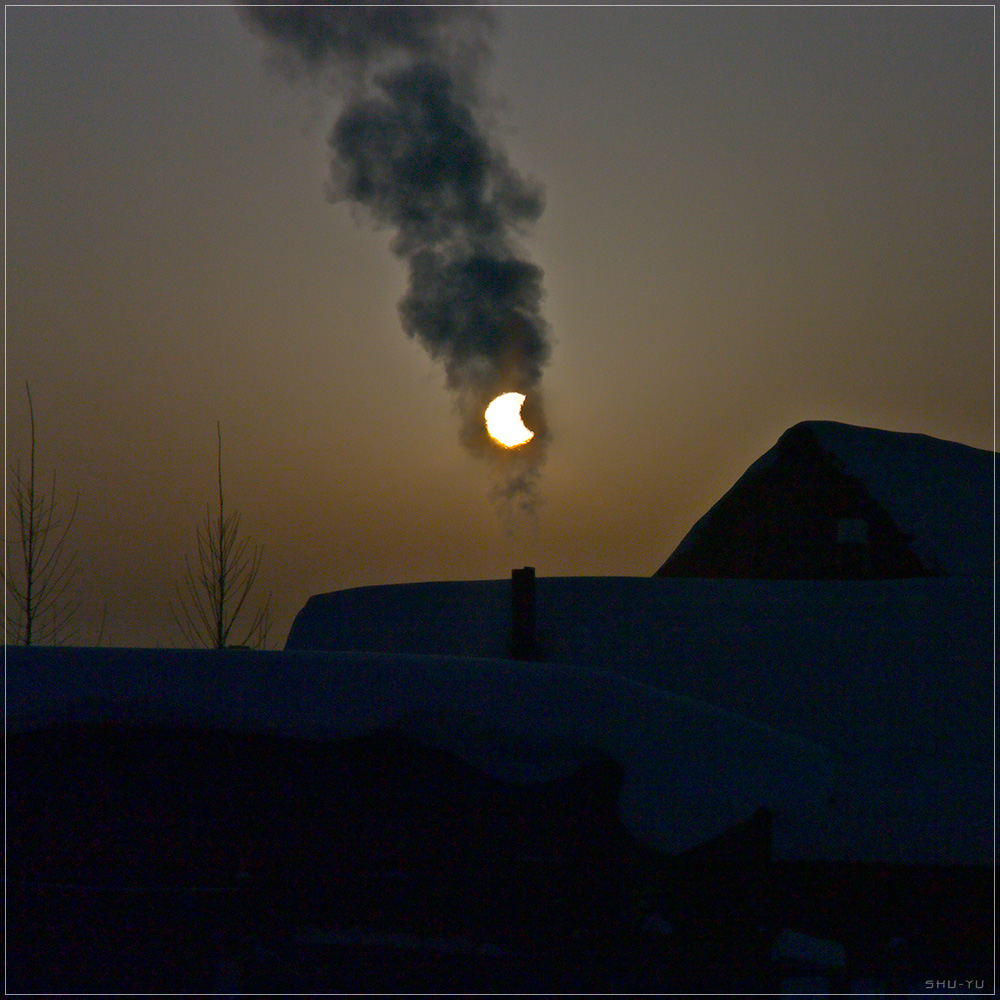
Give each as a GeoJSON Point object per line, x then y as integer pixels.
{"type": "Point", "coordinates": [752, 217]}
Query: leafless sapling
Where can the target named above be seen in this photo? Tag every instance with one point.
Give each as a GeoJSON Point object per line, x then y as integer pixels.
{"type": "Point", "coordinates": [211, 602]}
{"type": "Point", "coordinates": [39, 609]}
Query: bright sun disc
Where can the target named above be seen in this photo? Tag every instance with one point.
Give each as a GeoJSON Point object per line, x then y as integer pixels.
{"type": "Point", "coordinates": [503, 420]}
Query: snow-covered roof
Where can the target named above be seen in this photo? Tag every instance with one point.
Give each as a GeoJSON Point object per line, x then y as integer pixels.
{"type": "Point", "coordinates": [940, 493]}
{"type": "Point", "coordinates": [882, 674]}
{"type": "Point", "coordinates": [691, 770]}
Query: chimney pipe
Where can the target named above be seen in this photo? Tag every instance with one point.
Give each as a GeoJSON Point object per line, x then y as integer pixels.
{"type": "Point", "coordinates": [523, 645]}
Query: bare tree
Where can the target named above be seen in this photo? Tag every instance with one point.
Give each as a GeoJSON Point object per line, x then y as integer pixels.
{"type": "Point", "coordinates": [212, 599]}
{"type": "Point", "coordinates": [38, 608]}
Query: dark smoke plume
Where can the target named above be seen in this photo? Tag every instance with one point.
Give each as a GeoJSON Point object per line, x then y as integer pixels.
{"type": "Point", "coordinates": [408, 146]}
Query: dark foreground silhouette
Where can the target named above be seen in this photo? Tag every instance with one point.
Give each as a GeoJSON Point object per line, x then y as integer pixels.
{"type": "Point", "coordinates": [176, 860]}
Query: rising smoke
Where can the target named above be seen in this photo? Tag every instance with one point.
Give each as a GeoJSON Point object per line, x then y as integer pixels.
{"type": "Point", "coordinates": [409, 146]}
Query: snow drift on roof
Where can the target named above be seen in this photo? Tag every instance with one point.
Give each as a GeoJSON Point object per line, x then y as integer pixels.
{"type": "Point", "coordinates": [893, 677]}
{"type": "Point", "coordinates": [692, 771]}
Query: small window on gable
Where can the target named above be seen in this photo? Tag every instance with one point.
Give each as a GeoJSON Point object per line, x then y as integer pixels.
{"type": "Point", "coordinates": [852, 531]}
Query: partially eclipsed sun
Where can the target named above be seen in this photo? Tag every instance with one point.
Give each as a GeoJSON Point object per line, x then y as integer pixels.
{"type": "Point", "coordinates": [503, 420]}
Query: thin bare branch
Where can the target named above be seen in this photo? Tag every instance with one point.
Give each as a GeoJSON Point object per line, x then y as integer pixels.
{"type": "Point", "coordinates": [39, 606]}
{"type": "Point", "coordinates": [212, 598]}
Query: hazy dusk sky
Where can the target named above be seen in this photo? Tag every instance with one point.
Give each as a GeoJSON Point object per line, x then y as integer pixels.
{"type": "Point", "coordinates": [753, 216]}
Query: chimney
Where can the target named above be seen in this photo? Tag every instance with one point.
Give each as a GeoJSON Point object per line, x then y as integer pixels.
{"type": "Point", "coordinates": [522, 614]}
